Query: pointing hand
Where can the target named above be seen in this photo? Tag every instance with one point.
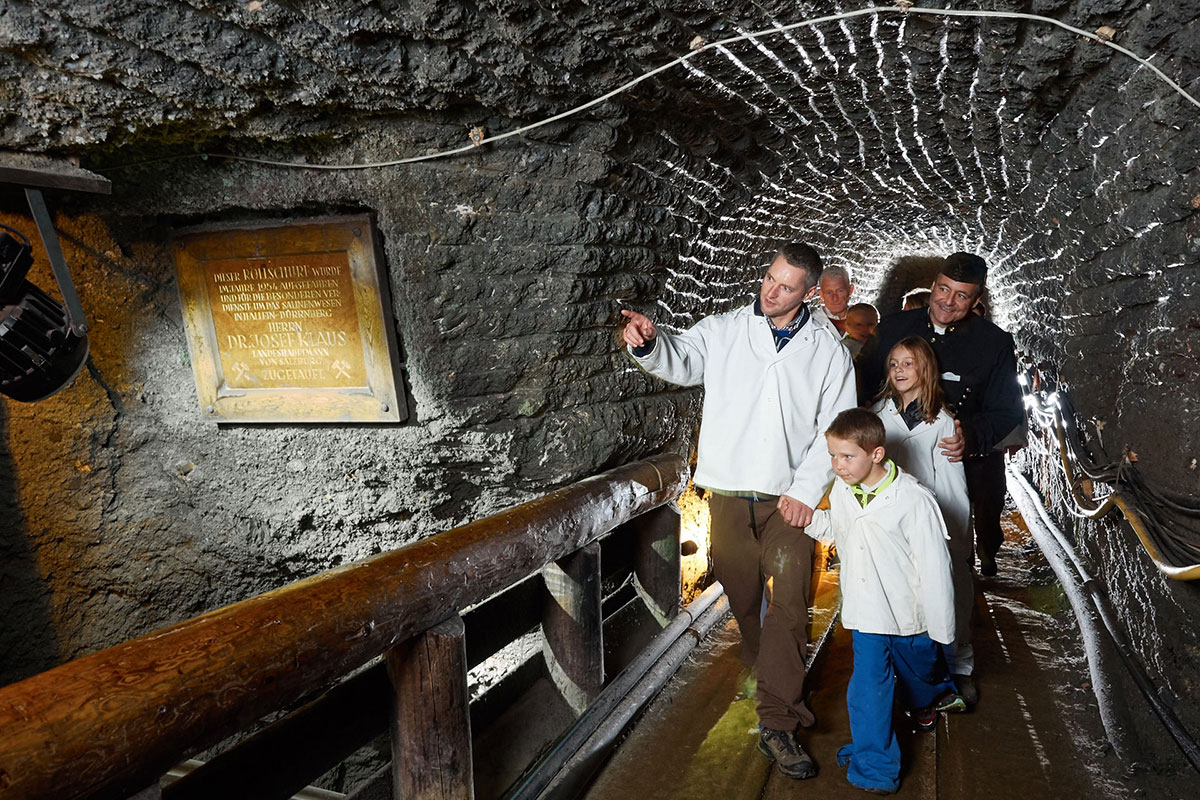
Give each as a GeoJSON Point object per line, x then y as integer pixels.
{"type": "Point", "coordinates": [638, 330]}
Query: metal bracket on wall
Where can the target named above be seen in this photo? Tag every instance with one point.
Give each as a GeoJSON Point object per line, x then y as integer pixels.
{"type": "Point", "coordinates": [34, 173]}
{"type": "Point", "coordinates": [45, 226]}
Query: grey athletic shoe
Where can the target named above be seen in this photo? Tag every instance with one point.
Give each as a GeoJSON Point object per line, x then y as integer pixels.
{"type": "Point", "coordinates": [782, 748]}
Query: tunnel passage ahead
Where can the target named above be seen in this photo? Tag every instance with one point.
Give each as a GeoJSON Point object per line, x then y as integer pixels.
{"type": "Point", "coordinates": [1071, 168]}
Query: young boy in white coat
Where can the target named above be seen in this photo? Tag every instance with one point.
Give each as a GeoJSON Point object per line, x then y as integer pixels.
{"type": "Point", "coordinates": [897, 595]}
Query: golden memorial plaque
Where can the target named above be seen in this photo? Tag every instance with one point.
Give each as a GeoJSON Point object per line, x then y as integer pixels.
{"type": "Point", "coordinates": [289, 323]}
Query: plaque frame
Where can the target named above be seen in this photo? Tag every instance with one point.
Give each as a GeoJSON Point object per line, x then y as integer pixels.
{"type": "Point", "coordinates": [381, 400]}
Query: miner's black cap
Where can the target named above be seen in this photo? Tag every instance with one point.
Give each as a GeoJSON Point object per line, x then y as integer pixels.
{"type": "Point", "coordinates": [965, 268]}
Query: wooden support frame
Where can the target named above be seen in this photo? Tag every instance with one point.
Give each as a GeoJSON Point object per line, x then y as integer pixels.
{"type": "Point", "coordinates": [431, 723]}
{"type": "Point", "coordinates": [657, 561]}
{"type": "Point", "coordinates": [293, 752]}
{"type": "Point", "coordinates": [47, 172]}
{"type": "Point", "coordinates": [175, 692]}
{"type": "Point", "coordinates": [574, 626]}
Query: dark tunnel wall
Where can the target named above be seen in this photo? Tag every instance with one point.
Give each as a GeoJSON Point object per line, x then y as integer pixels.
{"type": "Point", "coordinates": [1069, 167]}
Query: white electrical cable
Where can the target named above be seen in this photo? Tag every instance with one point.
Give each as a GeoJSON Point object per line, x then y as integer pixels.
{"type": "Point", "coordinates": [945, 12]}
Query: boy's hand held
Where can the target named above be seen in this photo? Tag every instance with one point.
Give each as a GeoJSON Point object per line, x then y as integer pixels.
{"type": "Point", "coordinates": [795, 513]}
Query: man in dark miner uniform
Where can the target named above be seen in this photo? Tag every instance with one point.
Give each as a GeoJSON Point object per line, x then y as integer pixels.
{"type": "Point", "coordinates": [979, 375]}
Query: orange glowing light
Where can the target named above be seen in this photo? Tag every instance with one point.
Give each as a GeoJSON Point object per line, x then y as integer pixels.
{"type": "Point", "coordinates": [693, 527]}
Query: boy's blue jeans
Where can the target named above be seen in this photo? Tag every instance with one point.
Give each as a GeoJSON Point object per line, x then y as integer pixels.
{"type": "Point", "coordinates": [884, 665]}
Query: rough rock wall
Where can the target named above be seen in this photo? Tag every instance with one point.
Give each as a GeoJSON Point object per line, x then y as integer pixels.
{"type": "Point", "coordinates": [1069, 167]}
{"type": "Point", "coordinates": [1107, 287]}
{"type": "Point", "coordinates": [131, 512]}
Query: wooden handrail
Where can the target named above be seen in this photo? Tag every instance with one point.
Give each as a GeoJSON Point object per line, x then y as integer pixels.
{"type": "Point", "coordinates": [108, 724]}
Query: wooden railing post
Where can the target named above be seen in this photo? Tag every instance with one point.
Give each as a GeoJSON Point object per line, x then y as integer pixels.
{"type": "Point", "coordinates": [657, 562]}
{"type": "Point", "coordinates": [573, 626]}
{"type": "Point", "coordinates": [431, 726]}
{"type": "Point", "coordinates": [183, 689]}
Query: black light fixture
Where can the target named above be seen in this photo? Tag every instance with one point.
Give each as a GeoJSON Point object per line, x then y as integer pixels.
{"type": "Point", "coordinates": [43, 343]}
{"type": "Point", "coordinates": [40, 350]}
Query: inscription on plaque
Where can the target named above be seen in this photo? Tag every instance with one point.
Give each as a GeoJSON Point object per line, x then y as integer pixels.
{"type": "Point", "coordinates": [286, 322]}
{"type": "Point", "coordinates": [289, 323]}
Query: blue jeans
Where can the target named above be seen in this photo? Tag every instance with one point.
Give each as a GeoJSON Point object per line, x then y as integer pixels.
{"type": "Point", "coordinates": [884, 665]}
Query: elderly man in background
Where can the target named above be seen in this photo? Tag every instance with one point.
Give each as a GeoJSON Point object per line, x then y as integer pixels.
{"type": "Point", "coordinates": [773, 381]}
{"type": "Point", "coordinates": [835, 291]}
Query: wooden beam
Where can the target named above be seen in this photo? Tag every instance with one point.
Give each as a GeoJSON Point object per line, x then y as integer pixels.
{"type": "Point", "coordinates": [431, 724]}
{"type": "Point", "coordinates": [657, 561]}
{"type": "Point", "coordinates": [107, 724]}
{"type": "Point", "coordinates": [43, 172]}
{"type": "Point", "coordinates": [573, 626]}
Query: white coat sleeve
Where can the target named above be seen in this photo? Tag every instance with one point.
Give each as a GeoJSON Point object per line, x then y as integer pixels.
{"type": "Point", "coordinates": [838, 392]}
{"type": "Point", "coordinates": [679, 358]}
{"type": "Point", "coordinates": [820, 527]}
{"type": "Point", "coordinates": [927, 538]}
{"type": "Point", "coordinates": [950, 482]}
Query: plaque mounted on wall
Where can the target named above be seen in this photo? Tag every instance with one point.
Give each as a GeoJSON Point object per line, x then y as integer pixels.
{"type": "Point", "coordinates": [289, 322]}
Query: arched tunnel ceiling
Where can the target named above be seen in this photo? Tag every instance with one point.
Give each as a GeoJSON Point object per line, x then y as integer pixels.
{"type": "Point", "coordinates": [1070, 167]}
{"type": "Point", "coordinates": [901, 126]}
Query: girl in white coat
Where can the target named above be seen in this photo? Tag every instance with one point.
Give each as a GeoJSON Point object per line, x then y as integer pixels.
{"type": "Point", "coordinates": [913, 410]}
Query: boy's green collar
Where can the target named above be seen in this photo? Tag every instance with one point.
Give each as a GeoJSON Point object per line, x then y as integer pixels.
{"type": "Point", "coordinates": [867, 494]}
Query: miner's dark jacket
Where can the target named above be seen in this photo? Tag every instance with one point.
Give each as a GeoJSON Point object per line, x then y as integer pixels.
{"type": "Point", "coordinates": [986, 397]}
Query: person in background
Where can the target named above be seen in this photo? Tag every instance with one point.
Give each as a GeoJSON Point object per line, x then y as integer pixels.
{"type": "Point", "coordinates": [916, 298]}
{"type": "Point", "coordinates": [913, 412]}
{"type": "Point", "coordinates": [861, 321]}
{"type": "Point", "coordinates": [773, 381]}
{"type": "Point", "coordinates": [835, 291]}
{"type": "Point", "coordinates": [897, 596]}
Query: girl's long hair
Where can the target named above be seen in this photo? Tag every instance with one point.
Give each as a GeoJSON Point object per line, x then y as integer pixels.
{"type": "Point", "coordinates": [930, 397]}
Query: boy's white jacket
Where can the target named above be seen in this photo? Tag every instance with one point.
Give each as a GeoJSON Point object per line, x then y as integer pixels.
{"type": "Point", "coordinates": [765, 412]}
{"type": "Point", "coordinates": [895, 566]}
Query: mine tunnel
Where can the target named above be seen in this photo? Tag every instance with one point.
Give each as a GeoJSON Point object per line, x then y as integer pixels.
{"type": "Point", "coordinates": [350, 280]}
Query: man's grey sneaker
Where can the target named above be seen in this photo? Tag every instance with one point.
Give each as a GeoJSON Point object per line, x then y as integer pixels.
{"type": "Point", "coordinates": [967, 688]}
{"type": "Point", "coordinates": [782, 748]}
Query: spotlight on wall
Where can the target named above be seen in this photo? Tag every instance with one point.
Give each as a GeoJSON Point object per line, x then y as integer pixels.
{"type": "Point", "coordinates": [43, 342]}
{"type": "Point", "coordinates": [40, 350]}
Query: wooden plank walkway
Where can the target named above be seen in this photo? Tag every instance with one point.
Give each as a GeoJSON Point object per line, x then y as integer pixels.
{"type": "Point", "coordinates": [698, 740]}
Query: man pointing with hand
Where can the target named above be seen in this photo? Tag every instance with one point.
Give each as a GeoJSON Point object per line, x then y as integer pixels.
{"type": "Point", "coordinates": [773, 381]}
